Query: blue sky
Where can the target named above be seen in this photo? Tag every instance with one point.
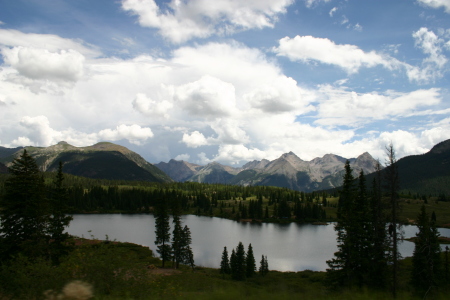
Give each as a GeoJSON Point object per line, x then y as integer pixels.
{"type": "Point", "coordinates": [226, 80]}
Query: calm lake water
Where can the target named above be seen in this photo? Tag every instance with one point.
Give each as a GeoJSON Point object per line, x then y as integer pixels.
{"type": "Point", "coordinates": [289, 247]}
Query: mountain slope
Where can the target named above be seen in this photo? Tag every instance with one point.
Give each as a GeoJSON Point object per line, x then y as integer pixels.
{"type": "Point", "coordinates": [102, 160]}
{"type": "Point", "coordinates": [179, 170]}
{"type": "Point", "coordinates": [3, 169]}
{"type": "Point", "coordinates": [427, 173]}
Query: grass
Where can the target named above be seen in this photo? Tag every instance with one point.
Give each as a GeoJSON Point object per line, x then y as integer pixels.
{"type": "Point", "coordinates": [129, 271]}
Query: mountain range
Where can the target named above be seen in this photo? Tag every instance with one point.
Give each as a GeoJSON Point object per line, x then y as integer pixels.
{"type": "Point", "coordinates": [102, 160]}
{"type": "Point", "coordinates": [426, 173]}
{"type": "Point", "coordinates": [286, 171]}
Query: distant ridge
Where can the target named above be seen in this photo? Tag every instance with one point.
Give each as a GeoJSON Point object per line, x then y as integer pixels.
{"type": "Point", "coordinates": [286, 171]}
{"type": "Point", "coordinates": [103, 160]}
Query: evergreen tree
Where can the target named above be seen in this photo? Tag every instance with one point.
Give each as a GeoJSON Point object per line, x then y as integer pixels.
{"type": "Point", "coordinates": [233, 265]}
{"type": "Point", "coordinates": [238, 265]}
{"type": "Point", "coordinates": [426, 255]}
{"type": "Point", "coordinates": [25, 211]}
{"type": "Point", "coordinates": [377, 272]}
{"type": "Point", "coordinates": [186, 251]}
{"type": "Point", "coordinates": [392, 186]}
{"type": "Point", "coordinates": [341, 266]}
{"type": "Point", "coordinates": [162, 231]}
{"type": "Point", "coordinates": [225, 263]}
{"type": "Point", "coordinates": [360, 233]}
{"type": "Point", "coordinates": [59, 219]}
{"type": "Point", "coordinates": [177, 235]}
{"type": "Point", "coordinates": [250, 262]}
{"type": "Point", "coordinates": [264, 266]}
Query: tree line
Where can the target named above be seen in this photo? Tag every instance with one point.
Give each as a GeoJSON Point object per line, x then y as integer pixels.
{"type": "Point", "coordinates": [241, 265]}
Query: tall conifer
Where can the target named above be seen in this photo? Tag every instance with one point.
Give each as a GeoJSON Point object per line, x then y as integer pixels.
{"type": "Point", "coordinates": [162, 231]}
{"type": "Point", "coordinates": [250, 262]}
{"type": "Point", "coordinates": [426, 256]}
{"type": "Point", "coordinates": [25, 210]}
{"type": "Point", "coordinates": [225, 263]}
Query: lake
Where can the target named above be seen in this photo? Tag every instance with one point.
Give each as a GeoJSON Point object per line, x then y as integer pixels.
{"type": "Point", "coordinates": [289, 247]}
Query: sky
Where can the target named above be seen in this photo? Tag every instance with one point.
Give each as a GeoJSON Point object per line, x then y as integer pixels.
{"type": "Point", "coordinates": [226, 80]}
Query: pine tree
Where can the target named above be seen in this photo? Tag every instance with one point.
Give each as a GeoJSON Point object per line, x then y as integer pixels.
{"type": "Point", "coordinates": [177, 235]}
{"type": "Point", "coordinates": [264, 266]}
{"type": "Point", "coordinates": [341, 266]}
{"type": "Point", "coordinates": [426, 255]}
{"type": "Point", "coordinates": [59, 219]}
{"type": "Point", "coordinates": [238, 266]}
{"type": "Point", "coordinates": [250, 262]}
{"type": "Point", "coordinates": [186, 251]}
{"type": "Point", "coordinates": [392, 186]}
{"type": "Point", "coordinates": [225, 263]}
{"type": "Point", "coordinates": [25, 210]}
{"type": "Point", "coordinates": [377, 272]}
{"type": "Point", "coordinates": [233, 265]}
{"type": "Point", "coordinates": [162, 231]}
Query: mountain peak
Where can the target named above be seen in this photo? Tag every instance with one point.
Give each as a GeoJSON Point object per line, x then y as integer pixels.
{"type": "Point", "coordinates": [441, 147]}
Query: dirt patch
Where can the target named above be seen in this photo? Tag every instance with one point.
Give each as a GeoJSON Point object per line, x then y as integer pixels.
{"type": "Point", "coordinates": [162, 271]}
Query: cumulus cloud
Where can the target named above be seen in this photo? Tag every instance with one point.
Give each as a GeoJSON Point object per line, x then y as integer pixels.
{"type": "Point", "coordinates": [347, 57]}
{"type": "Point", "coordinates": [437, 4]}
{"type": "Point", "coordinates": [235, 154]}
{"type": "Point", "coordinates": [194, 140]}
{"type": "Point", "coordinates": [150, 107]}
{"type": "Point", "coordinates": [38, 132]}
{"type": "Point", "coordinates": [342, 107]}
{"type": "Point", "coordinates": [34, 63]}
{"type": "Point", "coordinates": [184, 20]}
{"type": "Point", "coordinates": [229, 132]}
{"type": "Point", "coordinates": [184, 157]}
{"type": "Point", "coordinates": [135, 134]}
{"type": "Point", "coordinates": [282, 95]}
{"type": "Point", "coordinates": [207, 97]}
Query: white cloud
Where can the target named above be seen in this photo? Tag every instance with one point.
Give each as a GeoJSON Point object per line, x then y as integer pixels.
{"type": "Point", "coordinates": [133, 133]}
{"type": "Point", "coordinates": [437, 4]}
{"type": "Point", "coordinates": [39, 129]}
{"type": "Point", "coordinates": [194, 140]}
{"type": "Point", "coordinates": [38, 132]}
{"type": "Point", "coordinates": [207, 97]}
{"type": "Point", "coordinates": [203, 159]}
{"type": "Point", "coordinates": [150, 107]}
{"type": "Point", "coordinates": [332, 11]}
{"type": "Point", "coordinates": [310, 3]}
{"type": "Point", "coordinates": [282, 95]}
{"type": "Point", "coordinates": [50, 42]}
{"type": "Point", "coordinates": [229, 132]}
{"type": "Point", "coordinates": [236, 154]}
{"type": "Point", "coordinates": [358, 27]}
{"type": "Point", "coordinates": [434, 64]}
{"type": "Point", "coordinates": [184, 157]}
{"type": "Point", "coordinates": [342, 107]}
{"type": "Point", "coordinates": [183, 21]}
{"type": "Point", "coordinates": [34, 63]}
{"type": "Point", "coordinates": [348, 57]}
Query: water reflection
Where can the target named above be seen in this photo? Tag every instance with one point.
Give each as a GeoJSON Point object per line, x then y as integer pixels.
{"type": "Point", "coordinates": [289, 247]}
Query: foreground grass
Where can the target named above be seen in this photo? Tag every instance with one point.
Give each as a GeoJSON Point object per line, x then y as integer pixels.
{"type": "Point", "coordinates": [128, 271]}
